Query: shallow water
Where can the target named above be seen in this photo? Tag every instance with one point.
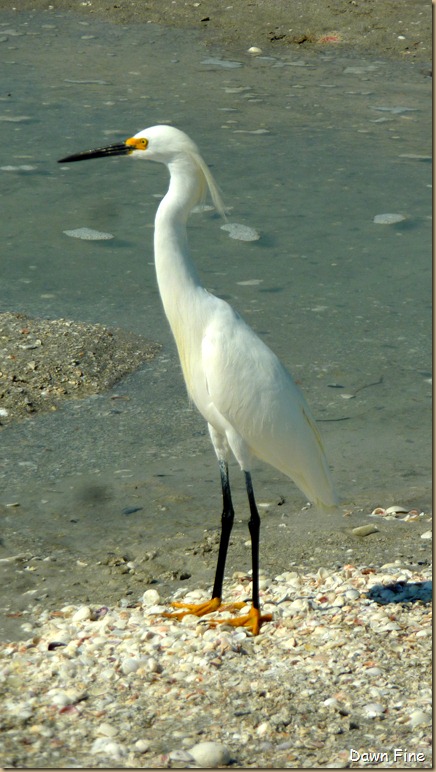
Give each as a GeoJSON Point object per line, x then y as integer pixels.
{"type": "Point", "coordinates": [307, 150]}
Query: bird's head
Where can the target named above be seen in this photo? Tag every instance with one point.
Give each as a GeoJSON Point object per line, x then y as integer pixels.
{"type": "Point", "coordinates": [158, 143]}
{"type": "Point", "coordinates": [161, 143]}
{"type": "Point", "coordinates": [164, 144]}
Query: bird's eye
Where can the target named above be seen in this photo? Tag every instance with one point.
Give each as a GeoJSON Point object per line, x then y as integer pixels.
{"type": "Point", "coordinates": [137, 143]}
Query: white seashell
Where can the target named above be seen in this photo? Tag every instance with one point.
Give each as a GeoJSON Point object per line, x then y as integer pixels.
{"type": "Point", "coordinates": [255, 131]}
{"type": "Point", "coordinates": [61, 699]}
{"type": "Point", "coordinates": [427, 535]}
{"type": "Point", "coordinates": [263, 728]}
{"type": "Point", "coordinates": [373, 710]}
{"type": "Point", "coordinates": [240, 232]}
{"type": "Point", "coordinates": [82, 613]}
{"type": "Point", "coordinates": [255, 50]}
{"type": "Point", "coordinates": [396, 509]}
{"type": "Point", "coordinates": [388, 626]}
{"type": "Point", "coordinates": [142, 746]}
{"type": "Point", "coordinates": [238, 636]}
{"type": "Point", "coordinates": [23, 712]}
{"type": "Point", "coordinates": [88, 234]}
{"type": "Point", "coordinates": [193, 596]}
{"type": "Point", "coordinates": [21, 168]}
{"type": "Point", "coordinates": [297, 606]}
{"type": "Point", "coordinates": [130, 665]}
{"type": "Point", "coordinates": [190, 620]}
{"type": "Point", "coordinates": [150, 598]}
{"type": "Point", "coordinates": [153, 665]}
{"type": "Point", "coordinates": [418, 717]}
{"type": "Point", "coordinates": [155, 610]}
{"type": "Point", "coordinates": [108, 748]}
{"type": "Point", "coordinates": [332, 702]}
{"type": "Point", "coordinates": [181, 756]}
{"type": "Point", "coordinates": [106, 730]}
{"type": "Point", "coordinates": [388, 218]}
{"type": "Point", "coordinates": [202, 208]}
{"type": "Point", "coordinates": [210, 754]}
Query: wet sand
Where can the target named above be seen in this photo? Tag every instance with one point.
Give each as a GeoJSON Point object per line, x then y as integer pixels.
{"type": "Point", "coordinates": [370, 27]}
{"type": "Point", "coordinates": [43, 362]}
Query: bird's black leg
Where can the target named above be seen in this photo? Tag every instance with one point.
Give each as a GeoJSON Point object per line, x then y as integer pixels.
{"type": "Point", "coordinates": [254, 528]}
{"type": "Point", "coordinates": [254, 619]}
{"type": "Point", "coordinates": [227, 518]}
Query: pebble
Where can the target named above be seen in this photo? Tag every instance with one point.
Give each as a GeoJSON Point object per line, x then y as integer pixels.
{"type": "Point", "coordinates": [210, 754]}
{"type": "Point", "coordinates": [365, 530]}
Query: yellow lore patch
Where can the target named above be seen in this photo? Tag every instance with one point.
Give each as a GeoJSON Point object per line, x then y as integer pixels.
{"type": "Point", "coordinates": [137, 143]}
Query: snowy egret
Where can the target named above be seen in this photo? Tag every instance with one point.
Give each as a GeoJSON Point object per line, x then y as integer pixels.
{"type": "Point", "coordinates": [249, 400]}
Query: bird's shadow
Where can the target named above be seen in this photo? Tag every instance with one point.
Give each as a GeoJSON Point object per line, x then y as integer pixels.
{"type": "Point", "coordinates": [401, 592]}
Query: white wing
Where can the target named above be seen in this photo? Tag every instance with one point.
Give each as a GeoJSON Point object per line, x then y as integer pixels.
{"type": "Point", "coordinates": [252, 391]}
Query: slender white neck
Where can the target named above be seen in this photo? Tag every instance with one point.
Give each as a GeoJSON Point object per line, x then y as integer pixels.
{"type": "Point", "coordinates": [176, 274]}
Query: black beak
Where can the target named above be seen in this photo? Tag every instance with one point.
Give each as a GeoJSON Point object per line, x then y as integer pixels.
{"type": "Point", "coordinates": [100, 152]}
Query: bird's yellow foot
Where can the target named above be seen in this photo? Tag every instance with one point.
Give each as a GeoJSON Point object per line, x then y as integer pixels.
{"type": "Point", "coordinates": [197, 609]}
{"type": "Point", "coordinates": [252, 621]}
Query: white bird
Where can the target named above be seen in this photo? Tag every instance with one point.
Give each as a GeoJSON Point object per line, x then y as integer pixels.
{"type": "Point", "coordinates": [249, 400]}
